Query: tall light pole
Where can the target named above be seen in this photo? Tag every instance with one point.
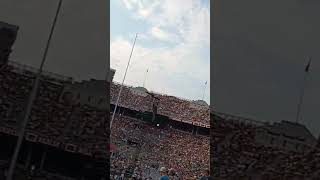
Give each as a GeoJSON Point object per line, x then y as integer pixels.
{"type": "Point", "coordinates": [145, 77]}
{"type": "Point", "coordinates": [204, 90]}
{"type": "Point", "coordinates": [302, 90]}
{"type": "Point", "coordinates": [124, 77]}
{"type": "Point", "coordinates": [31, 99]}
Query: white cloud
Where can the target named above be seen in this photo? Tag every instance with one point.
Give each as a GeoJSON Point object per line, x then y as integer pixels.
{"type": "Point", "coordinates": [188, 18]}
{"type": "Point", "coordinates": [142, 9]}
{"type": "Point", "coordinates": [159, 33]}
{"type": "Point", "coordinates": [184, 22]}
{"type": "Point", "coordinates": [162, 35]}
{"type": "Point", "coordinates": [128, 4]}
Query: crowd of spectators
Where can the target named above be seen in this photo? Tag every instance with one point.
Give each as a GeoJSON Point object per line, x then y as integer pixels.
{"type": "Point", "coordinates": [129, 99]}
{"type": "Point", "coordinates": [52, 117]}
{"type": "Point", "coordinates": [173, 107]}
{"type": "Point", "coordinates": [238, 156]}
{"type": "Point", "coordinates": [144, 148]}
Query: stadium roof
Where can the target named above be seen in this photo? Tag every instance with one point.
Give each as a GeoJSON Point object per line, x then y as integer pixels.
{"type": "Point", "coordinates": [141, 89]}
{"type": "Point", "coordinates": [201, 102]}
{"type": "Point", "coordinates": [291, 129]}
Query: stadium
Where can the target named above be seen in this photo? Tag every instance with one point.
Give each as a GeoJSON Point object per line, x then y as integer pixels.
{"type": "Point", "coordinates": [67, 135]}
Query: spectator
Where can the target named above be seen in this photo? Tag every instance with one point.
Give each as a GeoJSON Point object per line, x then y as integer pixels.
{"type": "Point", "coordinates": [164, 174]}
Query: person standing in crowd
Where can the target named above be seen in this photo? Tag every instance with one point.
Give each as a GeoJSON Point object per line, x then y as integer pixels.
{"type": "Point", "coordinates": [164, 174]}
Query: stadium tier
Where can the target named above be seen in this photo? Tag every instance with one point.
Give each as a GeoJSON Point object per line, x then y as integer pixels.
{"type": "Point", "coordinates": [138, 98]}
{"type": "Point", "coordinates": [243, 149]}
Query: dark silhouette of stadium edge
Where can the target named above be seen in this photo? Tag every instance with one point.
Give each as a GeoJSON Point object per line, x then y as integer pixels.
{"type": "Point", "coordinates": [8, 34]}
{"type": "Point", "coordinates": [32, 96]}
{"type": "Point", "coordinates": [42, 145]}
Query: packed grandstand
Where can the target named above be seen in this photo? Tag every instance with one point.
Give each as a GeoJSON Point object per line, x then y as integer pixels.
{"type": "Point", "coordinates": [177, 139]}
{"type": "Point", "coordinates": [61, 124]}
{"type": "Point", "coordinates": [247, 149]}
{"type": "Point", "coordinates": [57, 127]}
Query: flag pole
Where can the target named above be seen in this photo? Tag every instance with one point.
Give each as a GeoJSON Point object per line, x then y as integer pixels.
{"type": "Point", "coordinates": [204, 90]}
{"type": "Point", "coordinates": [124, 77]}
{"type": "Point", "coordinates": [302, 91]}
{"type": "Point", "coordinates": [145, 77]}
{"type": "Point", "coordinates": [32, 98]}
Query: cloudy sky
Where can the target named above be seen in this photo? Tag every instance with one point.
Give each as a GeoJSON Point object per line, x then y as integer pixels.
{"type": "Point", "coordinates": [173, 43]}
{"type": "Point", "coordinates": [258, 63]}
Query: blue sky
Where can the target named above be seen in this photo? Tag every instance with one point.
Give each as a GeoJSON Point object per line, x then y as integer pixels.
{"type": "Point", "coordinates": [173, 43]}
